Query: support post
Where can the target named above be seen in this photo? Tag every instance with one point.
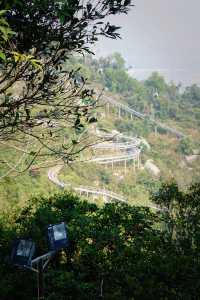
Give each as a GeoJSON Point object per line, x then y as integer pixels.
{"type": "Point", "coordinates": [108, 108]}
{"type": "Point", "coordinates": [138, 161]}
{"type": "Point", "coordinates": [40, 280]}
{"type": "Point", "coordinates": [119, 112]}
{"type": "Point", "coordinates": [156, 130]}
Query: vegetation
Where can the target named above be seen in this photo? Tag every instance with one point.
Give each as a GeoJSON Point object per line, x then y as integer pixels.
{"type": "Point", "coordinates": [116, 252]}
{"type": "Point", "coordinates": [40, 102]}
{"type": "Point", "coordinates": [153, 96]}
{"type": "Point", "coordinates": [185, 147]}
{"type": "Point", "coordinates": [167, 152]}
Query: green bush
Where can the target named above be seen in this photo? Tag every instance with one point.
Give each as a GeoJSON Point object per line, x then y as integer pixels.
{"type": "Point", "coordinates": [129, 252]}
{"type": "Point", "coordinates": [185, 147]}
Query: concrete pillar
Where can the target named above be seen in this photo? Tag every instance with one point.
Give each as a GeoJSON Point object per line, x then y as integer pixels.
{"type": "Point", "coordinates": [138, 159]}
{"type": "Point", "coordinates": [119, 112]}
{"type": "Point", "coordinates": [156, 130]}
{"type": "Point", "coordinates": [108, 108]}
{"type": "Point", "coordinates": [134, 165]}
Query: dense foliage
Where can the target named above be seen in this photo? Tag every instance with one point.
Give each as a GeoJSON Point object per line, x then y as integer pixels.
{"type": "Point", "coordinates": [39, 101]}
{"type": "Point", "coordinates": [167, 153]}
{"type": "Point", "coordinates": [153, 96]}
{"type": "Point", "coordinates": [116, 252]}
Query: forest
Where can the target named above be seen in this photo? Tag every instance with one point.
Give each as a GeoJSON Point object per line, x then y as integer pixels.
{"type": "Point", "coordinates": [144, 246]}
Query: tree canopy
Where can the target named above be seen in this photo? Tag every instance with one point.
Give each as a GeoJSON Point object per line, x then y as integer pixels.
{"type": "Point", "coordinates": [43, 108]}
{"type": "Point", "coordinates": [116, 252]}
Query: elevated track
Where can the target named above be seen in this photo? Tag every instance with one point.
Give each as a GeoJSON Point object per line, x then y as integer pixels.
{"type": "Point", "coordinates": [88, 191]}
{"type": "Point", "coordinates": [131, 152]}
{"type": "Point", "coordinates": [122, 107]}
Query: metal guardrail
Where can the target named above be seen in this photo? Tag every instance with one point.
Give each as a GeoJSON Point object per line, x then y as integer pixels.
{"type": "Point", "coordinates": [119, 146]}
{"type": "Point", "coordinates": [116, 158]}
{"type": "Point", "coordinates": [102, 192]}
{"type": "Point", "coordinates": [124, 107]}
{"type": "Point", "coordinates": [143, 116]}
{"type": "Point", "coordinates": [53, 176]}
{"type": "Point", "coordinates": [53, 173]}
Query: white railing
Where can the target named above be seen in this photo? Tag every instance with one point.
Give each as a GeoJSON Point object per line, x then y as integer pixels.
{"type": "Point", "coordinates": [116, 158]}
{"type": "Point", "coordinates": [53, 176]}
{"type": "Point", "coordinates": [133, 154]}
{"type": "Point", "coordinates": [142, 116]}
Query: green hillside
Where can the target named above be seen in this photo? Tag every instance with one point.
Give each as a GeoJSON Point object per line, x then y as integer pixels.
{"type": "Point", "coordinates": [164, 102]}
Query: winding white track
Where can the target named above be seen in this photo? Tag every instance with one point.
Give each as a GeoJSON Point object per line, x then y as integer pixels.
{"type": "Point", "coordinates": [106, 195]}
{"type": "Point", "coordinates": [132, 153]}
{"type": "Point", "coordinates": [131, 147]}
{"type": "Point", "coordinates": [133, 112]}
{"type": "Point", "coordinates": [94, 192]}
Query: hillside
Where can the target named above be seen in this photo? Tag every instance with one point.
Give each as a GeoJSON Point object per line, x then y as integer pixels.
{"type": "Point", "coordinates": [165, 120]}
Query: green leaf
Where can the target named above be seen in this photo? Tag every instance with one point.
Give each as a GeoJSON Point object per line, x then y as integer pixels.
{"type": "Point", "coordinates": [2, 55]}
{"type": "Point", "coordinates": [2, 12]}
{"type": "Point", "coordinates": [62, 19]}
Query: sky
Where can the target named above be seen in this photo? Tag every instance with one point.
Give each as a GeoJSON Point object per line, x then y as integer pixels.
{"type": "Point", "coordinates": [159, 35]}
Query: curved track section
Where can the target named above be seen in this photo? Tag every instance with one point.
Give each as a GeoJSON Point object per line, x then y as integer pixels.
{"type": "Point", "coordinates": [105, 194]}
{"type": "Point", "coordinates": [131, 153]}
{"type": "Point", "coordinates": [131, 144]}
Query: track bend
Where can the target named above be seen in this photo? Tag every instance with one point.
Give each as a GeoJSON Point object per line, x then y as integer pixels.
{"type": "Point", "coordinates": [105, 194]}
{"type": "Point", "coordinates": [133, 151]}
{"type": "Point", "coordinates": [130, 151]}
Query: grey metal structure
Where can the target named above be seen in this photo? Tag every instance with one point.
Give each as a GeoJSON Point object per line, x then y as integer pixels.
{"type": "Point", "coordinates": [122, 107]}
{"type": "Point", "coordinates": [24, 249]}
{"type": "Point", "coordinates": [131, 152]}
{"type": "Point", "coordinates": [105, 194]}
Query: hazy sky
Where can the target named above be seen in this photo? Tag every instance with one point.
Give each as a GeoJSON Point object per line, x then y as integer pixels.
{"type": "Point", "coordinates": [160, 35]}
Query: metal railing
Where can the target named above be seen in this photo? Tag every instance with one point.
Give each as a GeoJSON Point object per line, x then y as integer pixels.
{"type": "Point", "coordinates": [143, 116]}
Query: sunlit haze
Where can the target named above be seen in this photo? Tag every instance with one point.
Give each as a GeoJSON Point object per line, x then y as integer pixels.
{"type": "Point", "coordinates": [159, 36]}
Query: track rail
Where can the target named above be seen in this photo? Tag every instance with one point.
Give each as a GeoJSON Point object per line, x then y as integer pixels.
{"type": "Point", "coordinates": [105, 194]}
{"type": "Point", "coordinates": [142, 116]}
{"type": "Point", "coordinates": [117, 158]}
{"type": "Point", "coordinates": [95, 192]}
{"type": "Point", "coordinates": [133, 154]}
